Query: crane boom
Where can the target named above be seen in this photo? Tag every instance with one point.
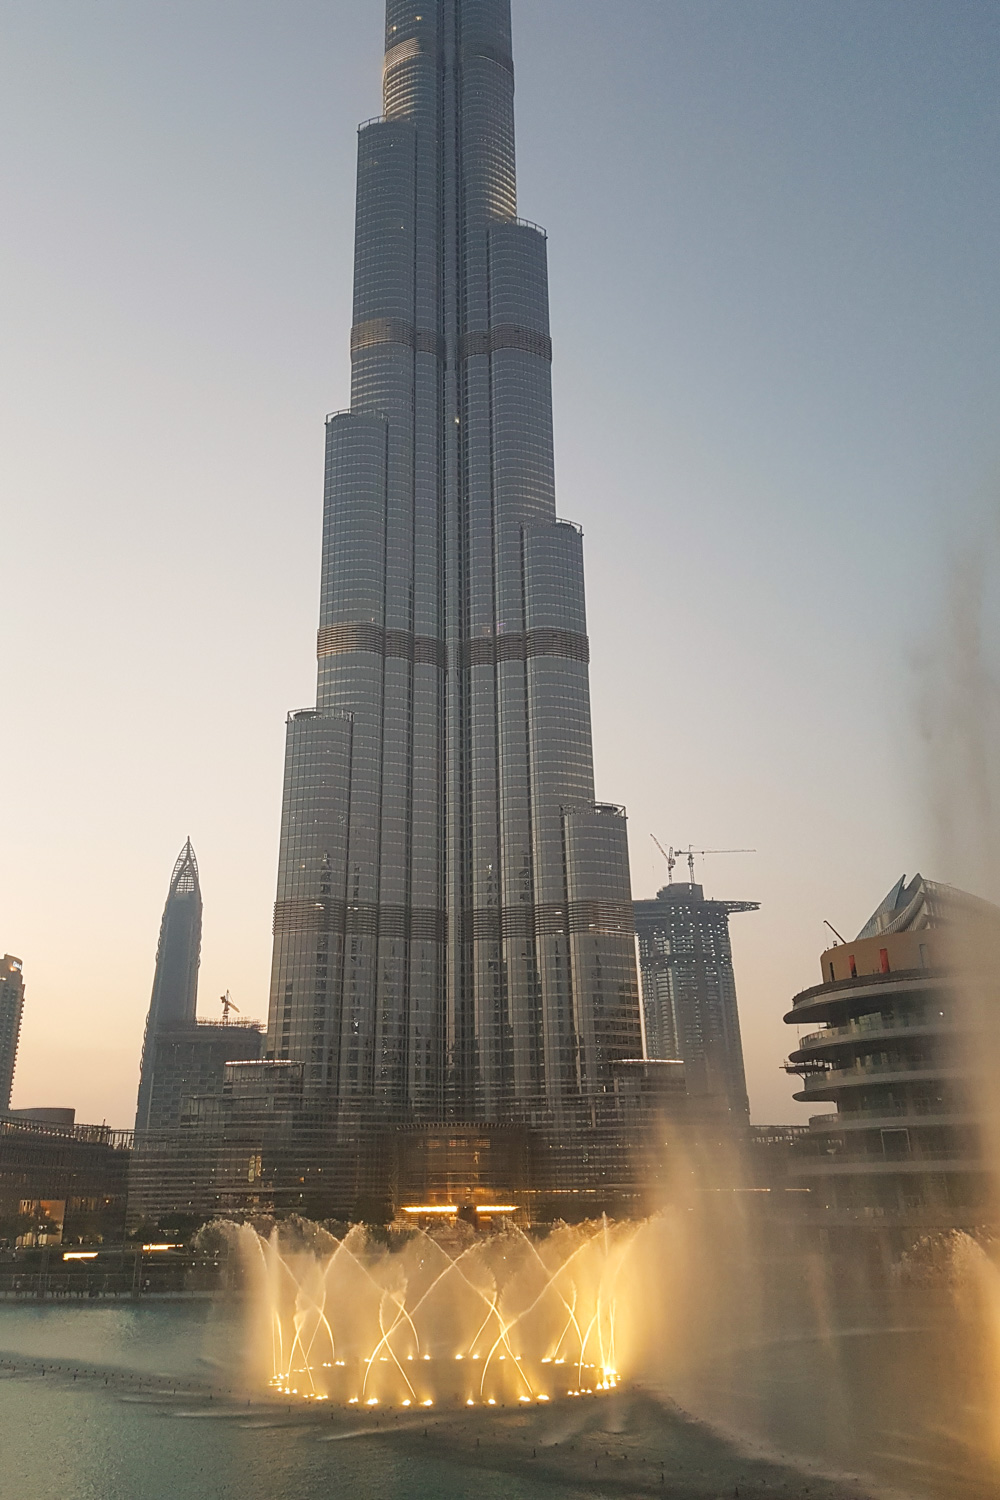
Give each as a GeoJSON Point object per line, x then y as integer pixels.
{"type": "Point", "coordinates": [671, 858]}
{"type": "Point", "coordinates": [689, 854]}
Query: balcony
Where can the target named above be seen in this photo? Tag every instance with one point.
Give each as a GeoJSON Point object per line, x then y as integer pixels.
{"type": "Point", "coordinates": [868, 1027]}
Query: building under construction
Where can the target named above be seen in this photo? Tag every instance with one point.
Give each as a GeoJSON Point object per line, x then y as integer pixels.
{"type": "Point", "coordinates": [689, 989]}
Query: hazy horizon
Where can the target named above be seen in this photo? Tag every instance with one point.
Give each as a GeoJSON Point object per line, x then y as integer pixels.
{"type": "Point", "coordinates": [772, 267]}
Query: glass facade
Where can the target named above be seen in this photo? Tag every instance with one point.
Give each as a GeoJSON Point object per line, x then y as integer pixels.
{"type": "Point", "coordinates": [453, 925]}
{"type": "Point", "coordinates": [174, 1000]}
{"type": "Point", "coordinates": [689, 990]}
{"type": "Point", "coordinates": [11, 1009]}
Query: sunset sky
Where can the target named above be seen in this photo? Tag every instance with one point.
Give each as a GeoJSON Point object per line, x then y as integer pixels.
{"type": "Point", "coordinates": [774, 234]}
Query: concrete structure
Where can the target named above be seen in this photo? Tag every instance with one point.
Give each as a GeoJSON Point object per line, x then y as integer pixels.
{"type": "Point", "coordinates": [11, 1010]}
{"type": "Point", "coordinates": [893, 1045]}
{"type": "Point", "coordinates": [453, 937]}
{"type": "Point", "coordinates": [689, 990]}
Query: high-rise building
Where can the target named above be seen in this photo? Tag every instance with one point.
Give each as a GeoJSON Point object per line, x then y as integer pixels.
{"type": "Point", "coordinates": [174, 1000]}
{"type": "Point", "coordinates": [11, 1008]}
{"type": "Point", "coordinates": [179, 1150]}
{"type": "Point", "coordinates": [689, 990]}
{"type": "Point", "coordinates": [453, 925]}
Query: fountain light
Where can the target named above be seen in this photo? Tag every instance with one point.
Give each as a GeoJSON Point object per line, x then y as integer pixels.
{"type": "Point", "coordinates": [560, 1294]}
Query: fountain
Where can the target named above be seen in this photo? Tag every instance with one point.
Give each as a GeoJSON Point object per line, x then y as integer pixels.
{"type": "Point", "coordinates": [415, 1318]}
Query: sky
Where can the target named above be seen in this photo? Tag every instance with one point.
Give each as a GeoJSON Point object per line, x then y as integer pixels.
{"type": "Point", "coordinates": [774, 229]}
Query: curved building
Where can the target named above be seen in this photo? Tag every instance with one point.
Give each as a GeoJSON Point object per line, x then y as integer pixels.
{"type": "Point", "coordinates": [891, 1043]}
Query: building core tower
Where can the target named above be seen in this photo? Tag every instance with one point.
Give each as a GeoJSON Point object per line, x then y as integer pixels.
{"type": "Point", "coordinates": [453, 934]}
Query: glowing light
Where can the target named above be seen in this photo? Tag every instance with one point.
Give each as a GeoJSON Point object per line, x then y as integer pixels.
{"type": "Point", "coordinates": [161, 1247]}
{"type": "Point", "coordinates": [79, 1255]}
{"type": "Point", "coordinates": [496, 1208]}
{"type": "Point", "coordinates": [481, 1289]}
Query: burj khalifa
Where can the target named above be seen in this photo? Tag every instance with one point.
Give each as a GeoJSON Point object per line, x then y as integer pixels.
{"type": "Point", "coordinates": [453, 930]}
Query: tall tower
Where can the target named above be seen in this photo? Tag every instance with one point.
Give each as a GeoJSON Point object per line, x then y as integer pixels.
{"type": "Point", "coordinates": [11, 1008]}
{"type": "Point", "coordinates": [689, 990]}
{"type": "Point", "coordinates": [453, 924]}
{"type": "Point", "coordinates": [174, 1000]}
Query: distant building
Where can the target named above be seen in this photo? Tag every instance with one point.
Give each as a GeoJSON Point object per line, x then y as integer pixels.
{"type": "Point", "coordinates": [174, 1001]}
{"type": "Point", "coordinates": [689, 990]}
{"type": "Point", "coordinates": [180, 1152]}
{"type": "Point", "coordinates": [48, 1115]}
{"type": "Point", "coordinates": [11, 1007]}
{"type": "Point", "coordinates": [893, 1048]}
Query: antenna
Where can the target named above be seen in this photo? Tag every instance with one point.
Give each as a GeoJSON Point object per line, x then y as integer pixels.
{"type": "Point", "coordinates": [671, 858]}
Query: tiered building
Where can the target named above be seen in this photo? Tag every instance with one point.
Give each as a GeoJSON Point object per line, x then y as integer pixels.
{"type": "Point", "coordinates": [453, 945]}
{"type": "Point", "coordinates": [903, 1041]}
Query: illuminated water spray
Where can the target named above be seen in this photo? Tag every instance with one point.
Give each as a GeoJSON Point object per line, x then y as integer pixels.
{"type": "Point", "coordinates": [412, 1318]}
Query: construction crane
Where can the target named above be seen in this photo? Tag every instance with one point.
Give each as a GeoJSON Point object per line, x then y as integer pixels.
{"type": "Point", "coordinates": [671, 858]}
{"type": "Point", "coordinates": [228, 1004]}
{"type": "Point", "coordinates": [689, 855]}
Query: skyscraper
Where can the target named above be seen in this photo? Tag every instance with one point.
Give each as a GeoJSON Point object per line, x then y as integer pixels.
{"type": "Point", "coordinates": [689, 990]}
{"type": "Point", "coordinates": [174, 1000]}
{"type": "Point", "coordinates": [453, 924]}
{"type": "Point", "coordinates": [11, 1008]}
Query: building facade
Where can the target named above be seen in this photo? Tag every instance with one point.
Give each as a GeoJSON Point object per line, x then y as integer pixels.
{"type": "Point", "coordinates": [453, 935]}
{"type": "Point", "coordinates": [893, 1045]}
{"type": "Point", "coordinates": [11, 1009]}
{"type": "Point", "coordinates": [689, 990]}
{"type": "Point", "coordinates": [174, 1001]}
{"type": "Point", "coordinates": [62, 1183]}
